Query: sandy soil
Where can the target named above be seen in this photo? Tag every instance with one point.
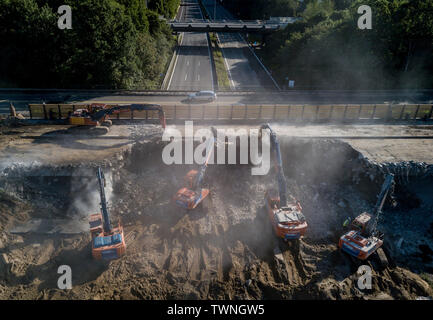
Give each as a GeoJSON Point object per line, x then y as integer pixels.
{"type": "Point", "coordinates": [227, 248]}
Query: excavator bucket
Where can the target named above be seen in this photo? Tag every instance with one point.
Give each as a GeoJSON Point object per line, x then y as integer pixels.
{"type": "Point", "coordinates": [95, 223]}
{"type": "Point", "coordinates": [190, 178]}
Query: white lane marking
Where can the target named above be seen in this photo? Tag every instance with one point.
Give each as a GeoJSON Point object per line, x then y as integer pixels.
{"type": "Point", "coordinates": [199, 63]}
{"type": "Point", "coordinates": [243, 41]}
{"type": "Point", "coordinates": [186, 76]}
{"type": "Point", "coordinates": [187, 63]}
{"type": "Point", "coordinates": [198, 77]}
{"type": "Point", "coordinates": [175, 62]}
{"type": "Point", "coordinates": [208, 50]}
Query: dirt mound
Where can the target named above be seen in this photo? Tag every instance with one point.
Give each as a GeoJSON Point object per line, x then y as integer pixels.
{"type": "Point", "coordinates": [224, 250]}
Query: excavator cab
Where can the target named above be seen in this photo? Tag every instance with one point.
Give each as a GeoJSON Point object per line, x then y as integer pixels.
{"type": "Point", "coordinates": [272, 198]}
{"type": "Point", "coordinates": [361, 222]}
{"type": "Point", "coordinates": [288, 222]}
{"type": "Point", "coordinates": [95, 222]}
{"type": "Point", "coordinates": [286, 217]}
{"type": "Point", "coordinates": [83, 117]}
{"type": "Point", "coordinates": [364, 239]}
{"type": "Point", "coordinates": [192, 194]}
{"type": "Point", "coordinates": [358, 246]}
{"type": "Point", "coordinates": [190, 178]}
{"type": "Point", "coordinates": [109, 246]}
{"type": "Point", "coordinates": [107, 242]}
{"type": "Point", "coordinates": [190, 199]}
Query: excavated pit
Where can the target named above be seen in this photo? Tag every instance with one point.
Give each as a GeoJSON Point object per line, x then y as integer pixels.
{"type": "Point", "coordinates": [226, 249]}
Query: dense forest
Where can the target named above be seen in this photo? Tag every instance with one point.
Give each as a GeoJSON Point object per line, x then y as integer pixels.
{"type": "Point", "coordinates": [325, 49]}
{"type": "Point", "coordinates": [112, 44]}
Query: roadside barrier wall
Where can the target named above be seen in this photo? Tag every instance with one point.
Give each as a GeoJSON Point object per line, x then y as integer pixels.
{"type": "Point", "coordinates": [294, 113]}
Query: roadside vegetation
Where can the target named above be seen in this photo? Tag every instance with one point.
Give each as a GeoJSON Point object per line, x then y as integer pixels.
{"type": "Point", "coordinates": [326, 49]}
{"type": "Point", "coordinates": [222, 75]}
{"type": "Point", "coordinates": [113, 44]}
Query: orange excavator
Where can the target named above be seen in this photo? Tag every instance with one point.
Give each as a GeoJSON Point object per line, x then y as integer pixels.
{"type": "Point", "coordinates": [364, 239]}
{"type": "Point", "coordinates": [190, 196]}
{"type": "Point", "coordinates": [107, 242]}
{"type": "Point", "coordinates": [98, 114]}
{"type": "Point", "coordinates": [286, 217]}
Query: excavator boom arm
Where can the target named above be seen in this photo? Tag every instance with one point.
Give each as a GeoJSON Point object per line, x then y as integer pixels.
{"type": "Point", "coordinates": [209, 150]}
{"type": "Point", "coordinates": [386, 186]}
{"type": "Point", "coordinates": [104, 209]}
{"type": "Point", "coordinates": [99, 115]}
{"type": "Point", "coordinates": [280, 171]}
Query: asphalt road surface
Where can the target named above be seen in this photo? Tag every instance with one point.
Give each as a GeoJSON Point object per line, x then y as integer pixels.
{"type": "Point", "coordinates": [21, 98]}
{"type": "Point", "coordinates": [193, 67]}
{"type": "Point", "coordinates": [241, 75]}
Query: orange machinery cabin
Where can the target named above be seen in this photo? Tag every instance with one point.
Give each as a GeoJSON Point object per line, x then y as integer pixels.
{"type": "Point", "coordinates": [190, 199]}
{"type": "Point", "coordinates": [288, 222]}
{"type": "Point", "coordinates": [186, 197]}
{"type": "Point", "coordinates": [82, 116]}
{"type": "Point", "coordinates": [358, 246]}
{"type": "Point", "coordinates": [106, 246]}
{"type": "Point", "coordinates": [190, 178]}
{"type": "Point", "coordinates": [356, 242]}
{"type": "Point", "coordinates": [361, 222]}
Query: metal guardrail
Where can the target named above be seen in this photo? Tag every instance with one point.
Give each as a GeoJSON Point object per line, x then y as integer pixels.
{"type": "Point", "coordinates": [236, 92]}
{"type": "Point", "coordinates": [224, 27]}
{"type": "Point", "coordinates": [99, 92]}
{"type": "Point", "coordinates": [296, 113]}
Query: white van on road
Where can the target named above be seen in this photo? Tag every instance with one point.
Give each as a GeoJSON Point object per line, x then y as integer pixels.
{"type": "Point", "coordinates": [202, 96]}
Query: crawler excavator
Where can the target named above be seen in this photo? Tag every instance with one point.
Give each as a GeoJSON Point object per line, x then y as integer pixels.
{"type": "Point", "coordinates": [364, 239]}
{"type": "Point", "coordinates": [192, 194]}
{"type": "Point", "coordinates": [97, 115]}
{"type": "Point", "coordinates": [286, 217]}
{"type": "Point", "coordinates": [107, 242]}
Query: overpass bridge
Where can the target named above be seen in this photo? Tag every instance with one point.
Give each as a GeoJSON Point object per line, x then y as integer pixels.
{"type": "Point", "coordinates": [231, 26]}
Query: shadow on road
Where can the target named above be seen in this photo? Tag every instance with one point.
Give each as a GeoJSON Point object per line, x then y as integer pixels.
{"type": "Point", "coordinates": [74, 138]}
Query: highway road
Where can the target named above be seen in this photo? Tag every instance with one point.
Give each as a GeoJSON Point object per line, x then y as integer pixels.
{"type": "Point", "coordinates": [21, 98]}
{"type": "Point", "coordinates": [241, 75]}
{"type": "Point", "coordinates": [193, 67]}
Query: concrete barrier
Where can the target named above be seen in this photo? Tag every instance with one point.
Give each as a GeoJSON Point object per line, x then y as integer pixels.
{"type": "Point", "coordinates": [294, 113]}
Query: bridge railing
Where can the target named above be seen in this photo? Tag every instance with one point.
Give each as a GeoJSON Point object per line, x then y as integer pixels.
{"type": "Point", "coordinates": [283, 113]}
{"type": "Point", "coordinates": [223, 21]}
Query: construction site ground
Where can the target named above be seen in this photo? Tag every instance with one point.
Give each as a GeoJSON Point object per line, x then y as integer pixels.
{"type": "Point", "coordinates": [226, 249]}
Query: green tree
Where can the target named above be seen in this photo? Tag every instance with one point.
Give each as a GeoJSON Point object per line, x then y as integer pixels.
{"type": "Point", "coordinates": [112, 44]}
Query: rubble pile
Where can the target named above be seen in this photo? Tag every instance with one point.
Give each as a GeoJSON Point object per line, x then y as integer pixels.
{"type": "Point", "coordinates": [225, 250]}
